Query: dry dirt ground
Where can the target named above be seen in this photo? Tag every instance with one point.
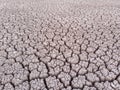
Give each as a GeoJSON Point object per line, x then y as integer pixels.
{"type": "Point", "coordinates": [59, 44]}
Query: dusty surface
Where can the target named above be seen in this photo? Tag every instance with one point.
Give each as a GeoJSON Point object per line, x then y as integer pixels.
{"type": "Point", "coordinates": [59, 45]}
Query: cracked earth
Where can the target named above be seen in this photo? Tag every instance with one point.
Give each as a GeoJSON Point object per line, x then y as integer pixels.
{"type": "Point", "coordinates": [59, 45]}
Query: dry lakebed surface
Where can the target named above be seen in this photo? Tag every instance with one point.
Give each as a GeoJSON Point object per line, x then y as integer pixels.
{"type": "Point", "coordinates": [59, 44]}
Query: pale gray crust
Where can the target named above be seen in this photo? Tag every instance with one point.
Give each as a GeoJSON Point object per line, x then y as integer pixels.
{"type": "Point", "coordinates": [59, 45]}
